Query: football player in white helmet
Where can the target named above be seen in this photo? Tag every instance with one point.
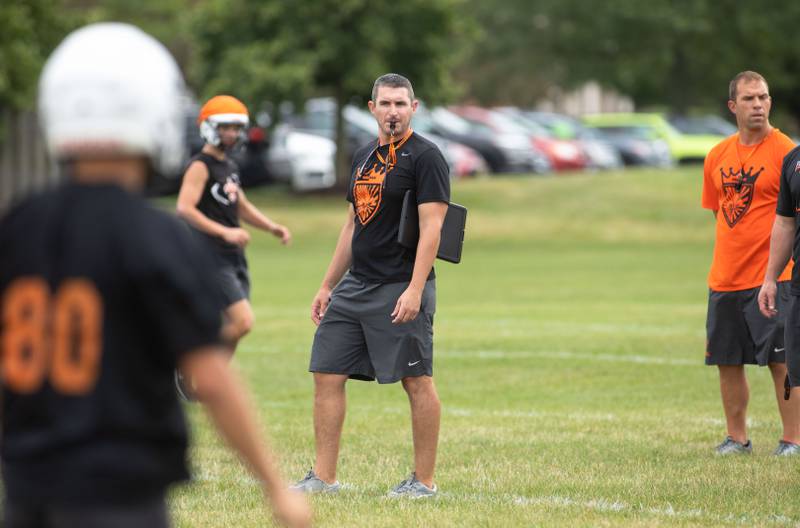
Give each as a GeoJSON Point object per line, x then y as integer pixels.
{"type": "Point", "coordinates": [103, 297]}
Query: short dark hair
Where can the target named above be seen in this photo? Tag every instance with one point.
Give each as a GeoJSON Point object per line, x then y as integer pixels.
{"type": "Point", "coordinates": [392, 80]}
{"type": "Point", "coordinates": [747, 76]}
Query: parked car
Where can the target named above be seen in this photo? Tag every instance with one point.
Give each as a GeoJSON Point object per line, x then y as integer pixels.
{"type": "Point", "coordinates": [304, 160]}
{"type": "Point", "coordinates": [703, 125]}
{"type": "Point", "coordinates": [683, 148]}
{"type": "Point", "coordinates": [506, 152]}
{"type": "Point", "coordinates": [637, 145]}
{"type": "Point", "coordinates": [562, 155]}
{"type": "Point", "coordinates": [319, 117]}
{"type": "Point", "coordinates": [565, 153]}
{"type": "Point", "coordinates": [600, 153]}
{"type": "Point", "coordinates": [467, 161]}
{"type": "Point", "coordinates": [250, 157]}
{"type": "Point", "coordinates": [443, 123]}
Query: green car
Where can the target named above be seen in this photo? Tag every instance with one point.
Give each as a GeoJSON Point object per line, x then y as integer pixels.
{"type": "Point", "coordinates": [684, 148]}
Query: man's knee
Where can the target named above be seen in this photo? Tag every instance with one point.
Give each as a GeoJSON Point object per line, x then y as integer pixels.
{"type": "Point", "coordinates": [326, 384]}
{"type": "Point", "coordinates": [777, 368]}
{"type": "Point", "coordinates": [420, 387]}
{"type": "Point", "coordinates": [731, 372]}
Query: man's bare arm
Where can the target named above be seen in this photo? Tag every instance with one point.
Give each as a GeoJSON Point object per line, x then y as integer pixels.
{"type": "Point", "coordinates": [253, 216]}
{"type": "Point", "coordinates": [222, 394]}
{"type": "Point", "coordinates": [780, 251]}
{"type": "Point", "coordinates": [431, 218]}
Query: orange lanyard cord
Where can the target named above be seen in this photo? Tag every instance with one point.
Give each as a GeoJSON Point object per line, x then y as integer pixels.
{"type": "Point", "coordinates": [392, 158]}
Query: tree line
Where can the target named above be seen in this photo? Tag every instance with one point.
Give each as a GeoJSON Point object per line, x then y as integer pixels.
{"type": "Point", "coordinates": [676, 55]}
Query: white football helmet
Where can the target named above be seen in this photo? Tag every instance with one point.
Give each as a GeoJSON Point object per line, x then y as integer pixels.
{"type": "Point", "coordinates": [109, 89]}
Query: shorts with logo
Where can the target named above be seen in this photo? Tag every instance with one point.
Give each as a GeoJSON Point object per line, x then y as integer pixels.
{"type": "Point", "coordinates": [233, 277]}
{"type": "Point", "coordinates": [736, 331]}
{"type": "Point", "coordinates": [356, 336]}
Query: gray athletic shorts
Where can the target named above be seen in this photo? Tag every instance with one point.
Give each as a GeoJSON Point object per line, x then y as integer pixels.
{"type": "Point", "coordinates": [356, 336]}
{"type": "Point", "coordinates": [233, 277]}
{"type": "Point", "coordinates": [738, 334]}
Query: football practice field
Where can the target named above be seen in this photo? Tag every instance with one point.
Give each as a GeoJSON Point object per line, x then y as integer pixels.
{"type": "Point", "coordinates": [569, 351]}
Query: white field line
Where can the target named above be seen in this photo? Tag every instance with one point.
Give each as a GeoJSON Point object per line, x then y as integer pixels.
{"type": "Point", "coordinates": [669, 512]}
{"type": "Point", "coordinates": [581, 416]}
{"type": "Point", "coordinates": [534, 414]}
{"type": "Point", "coordinates": [565, 354]}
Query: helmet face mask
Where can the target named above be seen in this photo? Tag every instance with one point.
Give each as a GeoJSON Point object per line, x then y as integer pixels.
{"type": "Point", "coordinates": [210, 131]}
{"type": "Point", "coordinates": [110, 90]}
{"type": "Point", "coordinates": [219, 111]}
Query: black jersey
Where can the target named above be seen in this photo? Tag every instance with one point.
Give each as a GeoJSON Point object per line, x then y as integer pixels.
{"type": "Point", "coordinates": [220, 198]}
{"type": "Point", "coordinates": [378, 201]}
{"type": "Point", "coordinates": [100, 295]}
{"type": "Point", "coordinates": [789, 205]}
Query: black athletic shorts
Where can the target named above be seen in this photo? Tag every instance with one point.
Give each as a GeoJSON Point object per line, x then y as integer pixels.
{"type": "Point", "coordinates": [738, 334]}
{"type": "Point", "coordinates": [356, 336]}
{"type": "Point", "coordinates": [151, 514]}
{"type": "Point", "coordinates": [233, 277]}
{"type": "Point", "coordinates": [792, 336]}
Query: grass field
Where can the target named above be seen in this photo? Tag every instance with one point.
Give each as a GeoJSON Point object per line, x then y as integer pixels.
{"type": "Point", "coordinates": [569, 348]}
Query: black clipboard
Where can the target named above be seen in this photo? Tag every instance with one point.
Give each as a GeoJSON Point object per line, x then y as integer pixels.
{"type": "Point", "coordinates": [455, 223]}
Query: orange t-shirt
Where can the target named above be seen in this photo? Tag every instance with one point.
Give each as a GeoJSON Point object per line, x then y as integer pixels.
{"type": "Point", "coordinates": [741, 183]}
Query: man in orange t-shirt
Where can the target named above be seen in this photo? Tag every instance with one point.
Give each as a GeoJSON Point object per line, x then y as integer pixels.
{"type": "Point", "coordinates": [740, 185]}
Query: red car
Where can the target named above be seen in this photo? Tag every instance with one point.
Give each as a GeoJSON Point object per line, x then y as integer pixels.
{"type": "Point", "coordinates": [563, 154]}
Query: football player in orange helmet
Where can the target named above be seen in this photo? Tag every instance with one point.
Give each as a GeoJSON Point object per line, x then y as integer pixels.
{"type": "Point", "coordinates": [212, 201]}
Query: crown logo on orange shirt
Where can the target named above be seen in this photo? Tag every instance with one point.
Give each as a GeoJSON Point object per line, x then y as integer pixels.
{"type": "Point", "coordinates": [740, 178]}
{"type": "Point", "coordinates": [738, 188]}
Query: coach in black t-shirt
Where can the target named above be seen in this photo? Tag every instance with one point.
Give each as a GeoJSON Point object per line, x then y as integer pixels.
{"type": "Point", "coordinates": [375, 321]}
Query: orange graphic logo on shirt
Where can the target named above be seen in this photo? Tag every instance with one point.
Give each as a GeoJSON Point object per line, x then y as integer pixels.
{"type": "Point", "coordinates": [368, 192]}
{"type": "Point", "coordinates": [738, 188]}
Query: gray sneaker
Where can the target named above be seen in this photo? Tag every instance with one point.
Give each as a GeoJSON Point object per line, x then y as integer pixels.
{"type": "Point", "coordinates": [413, 489]}
{"type": "Point", "coordinates": [786, 449]}
{"type": "Point", "coordinates": [732, 447]}
{"type": "Point", "coordinates": [311, 483]}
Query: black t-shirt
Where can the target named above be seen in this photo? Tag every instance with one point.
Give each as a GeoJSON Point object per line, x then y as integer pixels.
{"type": "Point", "coordinates": [789, 205]}
{"type": "Point", "coordinates": [220, 198]}
{"type": "Point", "coordinates": [101, 295]}
{"type": "Point", "coordinates": [378, 201]}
